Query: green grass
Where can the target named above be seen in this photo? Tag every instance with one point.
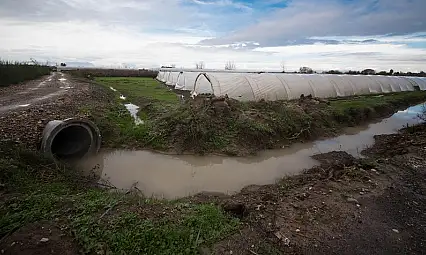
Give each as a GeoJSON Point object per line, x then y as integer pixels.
{"type": "Point", "coordinates": [15, 72]}
{"type": "Point", "coordinates": [373, 101]}
{"type": "Point", "coordinates": [135, 88]}
{"type": "Point", "coordinates": [117, 126]}
{"type": "Point", "coordinates": [102, 221]}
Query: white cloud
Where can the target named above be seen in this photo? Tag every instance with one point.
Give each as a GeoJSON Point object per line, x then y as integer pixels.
{"type": "Point", "coordinates": [151, 33]}
{"type": "Point", "coordinates": [223, 3]}
{"type": "Point", "coordinates": [309, 18]}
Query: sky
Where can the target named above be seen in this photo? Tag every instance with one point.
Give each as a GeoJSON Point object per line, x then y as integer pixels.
{"type": "Point", "coordinates": [254, 34]}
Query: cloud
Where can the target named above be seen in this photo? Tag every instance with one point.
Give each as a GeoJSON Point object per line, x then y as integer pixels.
{"type": "Point", "coordinates": [303, 19]}
{"type": "Point", "coordinates": [255, 34]}
{"type": "Point", "coordinates": [224, 3]}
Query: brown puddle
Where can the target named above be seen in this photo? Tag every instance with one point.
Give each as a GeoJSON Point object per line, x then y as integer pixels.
{"type": "Point", "coordinates": [174, 176]}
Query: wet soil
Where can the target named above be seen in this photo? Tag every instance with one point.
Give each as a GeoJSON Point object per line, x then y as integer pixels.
{"type": "Point", "coordinates": [344, 206]}
{"type": "Point", "coordinates": [26, 108]}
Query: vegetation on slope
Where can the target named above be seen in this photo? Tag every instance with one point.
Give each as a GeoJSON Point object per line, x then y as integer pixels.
{"type": "Point", "coordinates": [15, 72]}
{"type": "Point", "coordinates": [231, 127]}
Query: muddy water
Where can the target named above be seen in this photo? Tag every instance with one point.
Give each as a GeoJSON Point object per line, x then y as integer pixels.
{"type": "Point", "coordinates": [166, 176]}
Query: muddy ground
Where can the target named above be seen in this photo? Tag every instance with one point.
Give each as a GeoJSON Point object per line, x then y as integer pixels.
{"type": "Point", "coordinates": [26, 108]}
{"type": "Point", "coordinates": [374, 205]}
{"type": "Point", "coordinates": [345, 206]}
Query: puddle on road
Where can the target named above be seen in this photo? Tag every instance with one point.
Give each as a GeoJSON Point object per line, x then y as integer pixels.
{"type": "Point", "coordinates": [133, 110]}
{"type": "Point", "coordinates": [174, 176]}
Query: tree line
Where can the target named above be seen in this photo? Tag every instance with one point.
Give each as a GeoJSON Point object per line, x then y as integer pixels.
{"type": "Point", "coordinates": [391, 72]}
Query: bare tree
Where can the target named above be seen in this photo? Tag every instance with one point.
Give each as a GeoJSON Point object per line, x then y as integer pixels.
{"type": "Point", "coordinates": [230, 65]}
{"type": "Point", "coordinates": [200, 65]}
{"type": "Point", "coordinates": [283, 66]}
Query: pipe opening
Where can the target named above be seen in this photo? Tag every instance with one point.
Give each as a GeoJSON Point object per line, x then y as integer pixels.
{"type": "Point", "coordinates": [71, 142]}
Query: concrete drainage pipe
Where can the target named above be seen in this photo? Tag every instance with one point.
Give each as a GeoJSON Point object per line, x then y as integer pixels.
{"type": "Point", "coordinates": [70, 139]}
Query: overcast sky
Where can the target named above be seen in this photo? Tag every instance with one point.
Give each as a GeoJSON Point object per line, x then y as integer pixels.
{"type": "Point", "coordinates": [255, 34]}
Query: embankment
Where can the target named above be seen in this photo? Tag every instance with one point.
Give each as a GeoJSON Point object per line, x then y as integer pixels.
{"type": "Point", "coordinates": [226, 126]}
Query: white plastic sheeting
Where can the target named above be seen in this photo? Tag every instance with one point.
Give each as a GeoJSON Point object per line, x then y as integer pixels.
{"type": "Point", "coordinates": [417, 81]}
{"type": "Point", "coordinates": [280, 86]}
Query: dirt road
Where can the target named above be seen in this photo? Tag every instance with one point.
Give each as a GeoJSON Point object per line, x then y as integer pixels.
{"type": "Point", "coordinates": [36, 91]}
{"type": "Point", "coordinates": [26, 108]}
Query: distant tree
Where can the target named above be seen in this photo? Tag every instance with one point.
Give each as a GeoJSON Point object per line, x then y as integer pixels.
{"type": "Point", "coordinates": [391, 72]}
{"type": "Point", "coordinates": [333, 72]}
{"type": "Point", "coordinates": [200, 65]}
{"type": "Point", "coordinates": [382, 73]}
{"type": "Point", "coordinates": [63, 64]}
{"type": "Point", "coordinates": [368, 72]}
{"type": "Point", "coordinates": [230, 65]}
{"type": "Point", "coordinates": [173, 65]}
{"type": "Point", "coordinates": [305, 69]}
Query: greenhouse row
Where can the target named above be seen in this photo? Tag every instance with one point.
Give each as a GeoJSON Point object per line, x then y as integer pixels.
{"type": "Point", "coordinates": [281, 86]}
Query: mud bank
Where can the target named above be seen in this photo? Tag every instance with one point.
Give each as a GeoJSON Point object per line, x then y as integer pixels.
{"type": "Point", "coordinates": [174, 176]}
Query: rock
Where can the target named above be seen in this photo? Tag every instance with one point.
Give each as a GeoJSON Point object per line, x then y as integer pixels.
{"type": "Point", "coordinates": [352, 200]}
{"type": "Point", "coordinates": [44, 240]}
{"type": "Point", "coordinates": [278, 235]}
{"type": "Point", "coordinates": [395, 230]}
{"type": "Point", "coordinates": [282, 238]}
{"type": "Point", "coordinates": [374, 171]}
{"type": "Point", "coordinates": [287, 241]}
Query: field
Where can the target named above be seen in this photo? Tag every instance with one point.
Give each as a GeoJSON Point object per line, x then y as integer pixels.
{"type": "Point", "coordinates": [339, 206]}
{"type": "Point", "coordinates": [15, 72]}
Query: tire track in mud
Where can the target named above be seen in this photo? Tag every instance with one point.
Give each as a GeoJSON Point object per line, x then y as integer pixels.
{"type": "Point", "coordinates": [27, 94]}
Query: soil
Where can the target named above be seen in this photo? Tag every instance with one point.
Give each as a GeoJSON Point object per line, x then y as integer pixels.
{"type": "Point", "coordinates": [344, 206]}
{"type": "Point", "coordinates": [39, 238]}
{"type": "Point", "coordinates": [25, 109]}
